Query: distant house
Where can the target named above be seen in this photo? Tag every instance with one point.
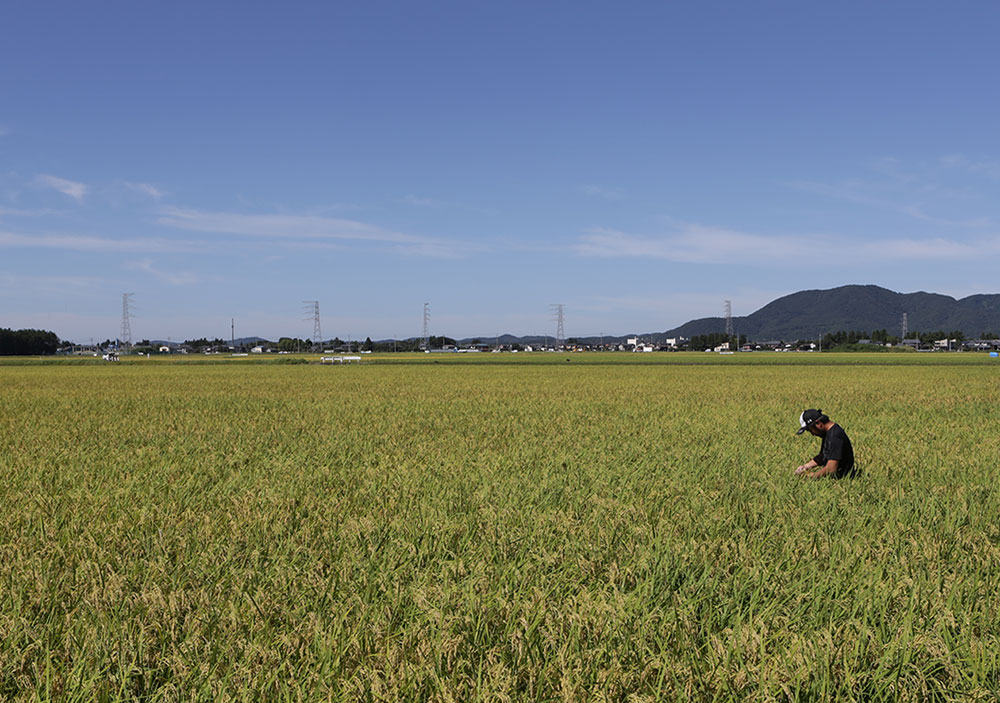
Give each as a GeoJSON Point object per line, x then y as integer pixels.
{"type": "Point", "coordinates": [982, 344]}
{"type": "Point", "coordinates": [769, 345]}
{"type": "Point", "coordinates": [915, 343]}
{"type": "Point", "coordinates": [945, 344]}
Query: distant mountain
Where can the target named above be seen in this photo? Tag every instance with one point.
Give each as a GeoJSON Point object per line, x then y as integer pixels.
{"type": "Point", "coordinates": [804, 315]}
{"type": "Point", "coordinates": [808, 313]}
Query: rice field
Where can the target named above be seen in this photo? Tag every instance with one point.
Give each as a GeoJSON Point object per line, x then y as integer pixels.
{"type": "Point", "coordinates": [499, 528]}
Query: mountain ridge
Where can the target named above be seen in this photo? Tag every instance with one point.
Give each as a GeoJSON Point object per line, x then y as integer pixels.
{"type": "Point", "coordinates": [810, 313]}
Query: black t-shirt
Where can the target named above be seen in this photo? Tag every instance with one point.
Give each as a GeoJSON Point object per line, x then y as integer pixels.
{"type": "Point", "coordinates": [836, 445]}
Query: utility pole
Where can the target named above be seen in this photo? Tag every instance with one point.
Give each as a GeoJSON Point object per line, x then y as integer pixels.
{"type": "Point", "coordinates": [126, 339]}
{"type": "Point", "coordinates": [312, 308]}
{"type": "Point", "coordinates": [427, 327]}
{"type": "Point", "coordinates": [559, 309]}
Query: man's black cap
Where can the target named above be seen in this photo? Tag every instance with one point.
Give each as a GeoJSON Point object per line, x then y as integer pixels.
{"type": "Point", "coordinates": [808, 418]}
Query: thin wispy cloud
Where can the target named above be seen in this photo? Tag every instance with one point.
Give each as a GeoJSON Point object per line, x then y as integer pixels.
{"type": "Point", "coordinates": [698, 244]}
{"type": "Point", "coordinates": [17, 283]}
{"type": "Point", "coordinates": [984, 167]}
{"type": "Point", "coordinates": [182, 278]}
{"type": "Point", "coordinates": [437, 204]}
{"type": "Point", "coordinates": [603, 192]}
{"type": "Point", "coordinates": [144, 189]}
{"type": "Point", "coordinates": [919, 214]}
{"type": "Point", "coordinates": [424, 202]}
{"type": "Point", "coordinates": [17, 212]}
{"type": "Point", "coordinates": [309, 228]}
{"type": "Point", "coordinates": [73, 189]}
{"type": "Point", "coordinates": [280, 226]}
{"type": "Point", "coordinates": [77, 242]}
{"type": "Point", "coordinates": [920, 191]}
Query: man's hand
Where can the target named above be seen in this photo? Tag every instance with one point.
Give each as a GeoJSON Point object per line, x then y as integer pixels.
{"type": "Point", "coordinates": [801, 469]}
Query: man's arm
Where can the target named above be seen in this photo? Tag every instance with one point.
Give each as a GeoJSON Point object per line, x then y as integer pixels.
{"type": "Point", "coordinates": [805, 467]}
{"type": "Point", "coordinates": [830, 468]}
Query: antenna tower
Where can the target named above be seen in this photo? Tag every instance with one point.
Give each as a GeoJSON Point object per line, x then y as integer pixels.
{"type": "Point", "coordinates": [426, 344]}
{"type": "Point", "coordinates": [905, 327]}
{"type": "Point", "coordinates": [560, 311]}
{"type": "Point", "coordinates": [312, 309]}
{"type": "Point", "coordinates": [126, 336]}
{"type": "Point", "coordinates": [729, 318]}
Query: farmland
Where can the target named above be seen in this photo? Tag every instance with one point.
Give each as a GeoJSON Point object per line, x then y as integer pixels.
{"type": "Point", "coordinates": [498, 528]}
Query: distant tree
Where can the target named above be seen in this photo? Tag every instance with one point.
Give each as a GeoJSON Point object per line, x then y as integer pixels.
{"type": "Point", "coordinates": [988, 335]}
{"type": "Point", "coordinates": [701, 342]}
{"type": "Point", "coordinates": [440, 342]}
{"type": "Point", "coordinates": [25, 342]}
{"type": "Point", "coordinates": [290, 344]}
{"type": "Point", "coordinates": [367, 346]}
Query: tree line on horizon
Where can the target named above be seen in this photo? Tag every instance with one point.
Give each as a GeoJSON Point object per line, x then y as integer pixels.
{"type": "Point", "coordinates": [28, 342]}
{"type": "Point", "coordinates": [33, 342]}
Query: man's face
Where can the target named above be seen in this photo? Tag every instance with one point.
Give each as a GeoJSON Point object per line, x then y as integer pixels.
{"type": "Point", "coordinates": [815, 430]}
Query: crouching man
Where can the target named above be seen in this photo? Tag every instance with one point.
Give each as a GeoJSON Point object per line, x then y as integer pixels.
{"type": "Point", "coordinates": [836, 455]}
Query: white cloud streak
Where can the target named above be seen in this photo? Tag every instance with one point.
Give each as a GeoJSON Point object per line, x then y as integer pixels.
{"type": "Point", "coordinates": [983, 167]}
{"type": "Point", "coordinates": [75, 242]}
{"type": "Point", "coordinates": [145, 189]}
{"type": "Point", "coordinates": [699, 244]}
{"type": "Point", "coordinates": [280, 226]}
{"type": "Point", "coordinates": [310, 228]}
{"type": "Point", "coordinates": [73, 189]}
{"type": "Point", "coordinates": [177, 279]}
{"type": "Point", "coordinates": [17, 283]}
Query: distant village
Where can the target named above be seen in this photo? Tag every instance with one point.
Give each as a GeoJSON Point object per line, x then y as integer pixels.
{"type": "Point", "coordinates": [444, 345]}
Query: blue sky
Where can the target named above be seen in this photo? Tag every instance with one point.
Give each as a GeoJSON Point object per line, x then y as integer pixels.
{"type": "Point", "coordinates": [638, 162]}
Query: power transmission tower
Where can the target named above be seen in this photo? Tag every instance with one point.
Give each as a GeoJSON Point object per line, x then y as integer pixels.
{"type": "Point", "coordinates": [560, 312]}
{"type": "Point", "coordinates": [729, 318]}
{"type": "Point", "coordinates": [905, 328]}
{"type": "Point", "coordinates": [426, 344]}
{"type": "Point", "coordinates": [126, 337]}
{"type": "Point", "coordinates": [312, 308]}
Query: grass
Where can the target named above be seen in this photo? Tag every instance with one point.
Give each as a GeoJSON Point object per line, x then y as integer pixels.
{"type": "Point", "coordinates": [473, 530]}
